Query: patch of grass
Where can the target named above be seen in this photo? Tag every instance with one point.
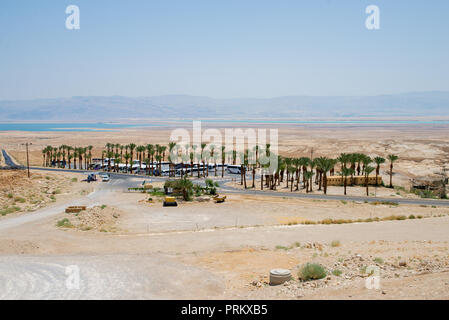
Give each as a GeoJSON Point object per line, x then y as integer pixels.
{"type": "Point", "coordinates": [103, 206]}
{"type": "Point", "coordinates": [47, 177]}
{"type": "Point", "coordinates": [335, 243]}
{"type": "Point", "coordinates": [312, 271]}
{"type": "Point", "coordinates": [309, 222]}
{"type": "Point", "coordinates": [426, 194]}
{"type": "Point", "coordinates": [10, 195]}
{"type": "Point", "coordinates": [378, 260]}
{"type": "Point", "coordinates": [297, 244]}
{"type": "Point", "coordinates": [363, 269]}
{"type": "Point", "coordinates": [344, 202]}
{"type": "Point", "coordinates": [74, 180]}
{"type": "Point", "coordinates": [20, 199]}
{"type": "Point", "coordinates": [9, 210]}
{"type": "Point", "coordinates": [411, 216]}
{"type": "Point", "coordinates": [282, 248]}
{"type": "Point", "coordinates": [337, 272]}
{"type": "Point", "coordinates": [157, 193]}
{"type": "Point", "coordinates": [53, 198]}
{"type": "Point", "coordinates": [64, 223]}
{"type": "Point", "coordinates": [386, 203]}
{"type": "Point", "coordinates": [57, 191]}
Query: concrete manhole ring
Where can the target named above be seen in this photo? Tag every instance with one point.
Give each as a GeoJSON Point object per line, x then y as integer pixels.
{"type": "Point", "coordinates": [279, 276]}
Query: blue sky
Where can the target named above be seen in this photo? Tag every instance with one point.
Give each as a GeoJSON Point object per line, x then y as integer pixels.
{"type": "Point", "coordinates": [222, 48]}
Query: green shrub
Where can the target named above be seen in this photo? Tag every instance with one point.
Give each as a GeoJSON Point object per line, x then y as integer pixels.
{"type": "Point", "coordinates": [411, 216]}
{"type": "Point", "coordinates": [20, 199]}
{"type": "Point", "coordinates": [103, 206]}
{"type": "Point", "coordinates": [378, 260]}
{"type": "Point", "coordinates": [337, 272]}
{"type": "Point", "coordinates": [9, 210]}
{"type": "Point", "coordinates": [312, 271]}
{"type": "Point", "coordinates": [335, 243]}
{"type": "Point", "coordinates": [64, 223]}
{"type": "Point", "coordinates": [10, 195]}
{"type": "Point", "coordinates": [74, 179]}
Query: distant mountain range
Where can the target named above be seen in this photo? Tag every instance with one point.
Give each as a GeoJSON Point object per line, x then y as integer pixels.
{"type": "Point", "coordinates": [418, 104]}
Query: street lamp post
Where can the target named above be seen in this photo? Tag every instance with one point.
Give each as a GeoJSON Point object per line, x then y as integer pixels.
{"type": "Point", "coordinates": [28, 161]}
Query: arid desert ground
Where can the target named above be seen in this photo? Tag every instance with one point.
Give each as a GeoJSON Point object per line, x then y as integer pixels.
{"type": "Point", "coordinates": [127, 247]}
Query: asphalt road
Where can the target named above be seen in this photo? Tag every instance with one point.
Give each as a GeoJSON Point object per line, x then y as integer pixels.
{"type": "Point", "coordinates": [127, 182]}
{"type": "Point", "coordinates": [8, 161]}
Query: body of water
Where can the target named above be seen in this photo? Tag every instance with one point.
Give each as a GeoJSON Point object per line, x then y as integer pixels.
{"type": "Point", "coordinates": [64, 126]}
{"type": "Point", "coordinates": [80, 127]}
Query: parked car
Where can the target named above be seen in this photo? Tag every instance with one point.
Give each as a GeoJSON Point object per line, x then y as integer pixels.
{"type": "Point", "coordinates": [105, 177]}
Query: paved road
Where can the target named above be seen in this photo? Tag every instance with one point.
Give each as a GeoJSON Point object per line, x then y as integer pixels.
{"type": "Point", "coordinates": [224, 187]}
{"type": "Point", "coordinates": [8, 161]}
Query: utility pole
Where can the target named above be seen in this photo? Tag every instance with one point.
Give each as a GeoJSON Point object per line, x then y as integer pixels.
{"type": "Point", "coordinates": [28, 161]}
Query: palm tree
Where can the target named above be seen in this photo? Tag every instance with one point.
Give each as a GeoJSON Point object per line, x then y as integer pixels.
{"type": "Point", "coordinates": [131, 147]}
{"type": "Point", "coordinates": [212, 151]}
{"type": "Point", "coordinates": [291, 170]}
{"type": "Point", "coordinates": [110, 155]}
{"type": "Point", "coordinates": [368, 170]}
{"type": "Point", "coordinates": [140, 150]}
{"type": "Point", "coordinates": [353, 158]}
{"type": "Point", "coordinates": [75, 156]}
{"type": "Point", "coordinates": [127, 156]}
{"type": "Point", "coordinates": [151, 151]}
{"type": "Point", "coordinates": [147, 162]}
{"type": "Point", "coordinates": [171, 145]}
{"type": "Point", "coordinates": [312, 164]}
{"type": "Point", "coordinates": [288, 163]}
{"type": "Point", "coordinates": [223, 158]}
{"type": "Point", "coordinates": [117, 160]}
{"type": "Point", "coordinates": [186, 186]}
{"type": "Point", "coordinates": [80, 157]}
{"type": "Point", "coordinates": [89, 156]}
{"type": "Point", "coordinates": [378, 161]}
{"type": "Point", "coordinates": [345, 172]}
{"type": "Point", "coordinates": [304, 161]}
{"type": "Point", "coordinates": [159, 159]}
{"type": "Point", "coordinates": [325, 165]}
{"type": "Point", "coordinates": [203, 145]}
{"type": "Point", "coordinates": [392, 159]}
{"type": "Point", "coordinates": [69, 157]}
{"type": "Point", "coordinates": [308, 177]}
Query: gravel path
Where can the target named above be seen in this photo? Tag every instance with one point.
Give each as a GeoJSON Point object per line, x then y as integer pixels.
{"type": "Point", "coordinates": [104, 277]}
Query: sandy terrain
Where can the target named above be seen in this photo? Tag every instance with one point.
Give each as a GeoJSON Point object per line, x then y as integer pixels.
{"type": "Point", "coordinates": [19, 195]}
{"type": "Point", "coordinates": [127, 247]}
{"type": "Point", "coordinates": [234, 245]}
{"type": "Point", "coordinates": [382, 192]}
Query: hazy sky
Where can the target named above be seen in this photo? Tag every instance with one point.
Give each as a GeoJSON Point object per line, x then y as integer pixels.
{"type": "Point", "coordinates": [222, 48]}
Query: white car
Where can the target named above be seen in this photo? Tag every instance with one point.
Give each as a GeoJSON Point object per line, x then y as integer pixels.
{"type": "Point", "coordinates": [105, 177]}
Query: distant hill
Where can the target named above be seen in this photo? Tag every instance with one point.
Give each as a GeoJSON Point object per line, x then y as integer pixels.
{"type": "Point", "coordinates": [434, 103]}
